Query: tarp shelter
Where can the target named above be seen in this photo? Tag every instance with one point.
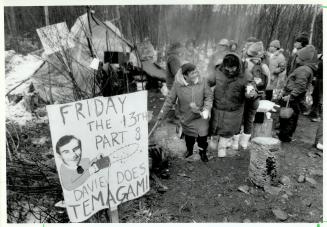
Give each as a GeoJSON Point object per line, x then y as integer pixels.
{"type": "Point", "coordinates": [148, 58]}
{"type": "Point", "coordinates": [61, 69]}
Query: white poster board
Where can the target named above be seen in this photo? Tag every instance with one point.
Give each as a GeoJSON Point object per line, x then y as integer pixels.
{"type": "Point", "coordinates": [115, 127]}
{"type": "Point", "coordinates": [55, 38]}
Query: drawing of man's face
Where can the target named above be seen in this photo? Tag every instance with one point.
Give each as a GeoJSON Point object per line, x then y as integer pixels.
{"type": "Point", "coordinates": [71, 152]}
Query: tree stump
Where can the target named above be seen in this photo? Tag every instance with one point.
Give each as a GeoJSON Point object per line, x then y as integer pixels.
{"type": "Point", "coordinates": [166, 137]}
{"type": "Point", "coordinates": [264, 129]}
{"type": "Point", "coordinates": [264, 167]}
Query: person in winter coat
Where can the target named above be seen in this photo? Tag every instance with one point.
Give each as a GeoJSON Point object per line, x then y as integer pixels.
{"type": "Point", "coordinates": [230, 94]}
{"type": "Point", "coordinates": [175, 58]}
{"type": "Point", "coordinates": [233, 46]}
{"type": "Point", "coordinates": [295, 90]}
{"type": "Point", "coordinates": [317, 94]}
{"type": "Point", "coordinates": [301, 41]}
{"type": "Point", "coordinates": [277, 66]}
{"type": "Point", "coordinates": [194, 105]}
{"type": "Point", "coordinates": [253, 59]}
{"type": "Point", "coordinates": [191, 54]}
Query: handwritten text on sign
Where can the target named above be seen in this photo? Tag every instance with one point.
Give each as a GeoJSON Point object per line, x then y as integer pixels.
{"type": "Point", "coordinates": [99, 141]}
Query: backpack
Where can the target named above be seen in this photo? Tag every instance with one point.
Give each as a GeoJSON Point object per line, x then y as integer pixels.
{"type": "Point", "coordinates": [259, 77]}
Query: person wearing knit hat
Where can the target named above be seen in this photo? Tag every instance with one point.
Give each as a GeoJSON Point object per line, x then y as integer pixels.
{"type": "Point", "coordinates": [275, 43]}
{"type": "Point", "coordinates": [224, 42]}
{"type": "Point", "coordinates": [256, 50]}
{"type": "Point", "coordinates": [301, 40]}
{"type": "Point", "coordinates": [233, 46]}
{"type": "Point", "coordinates": [295, 90]}
{"type": "Point", "coordinates": [306, 54]}
{"type": "Point", "coordinates": [218, 56]}
{"type": "Point", "coordinates": [194, 102]}
{"type": "Point", "coordinates": [277, 66]}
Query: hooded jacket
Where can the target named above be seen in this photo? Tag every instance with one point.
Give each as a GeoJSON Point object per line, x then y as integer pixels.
{"type": "Point", "coordinates": [299, 80]}
{"type": "Point", "coordinates": [200, 94]}
{"type": "Point", "coordinates": [277, 65]}
{"type": "Point", "coordinates": [229, 100]}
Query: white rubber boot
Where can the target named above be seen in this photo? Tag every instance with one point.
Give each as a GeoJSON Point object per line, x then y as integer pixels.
{"type": "Point", "coordinates": [235, 143]}
{"type": "Point", "coordinates": [244, 140]}
{"type": "Point", "coordinates": [222, 144]}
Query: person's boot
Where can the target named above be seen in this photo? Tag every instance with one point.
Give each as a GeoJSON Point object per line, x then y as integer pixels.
{"type": "Point", "coordinates": [235, 142]}
{"type": "Point", "coordinates": [222, 144]}
{"type": "Point", "coordinates": [244, 140]}
{"type": "Point", "coordinates": [203, 155]}
{"type": "Point", "coordinates": [188, 154]}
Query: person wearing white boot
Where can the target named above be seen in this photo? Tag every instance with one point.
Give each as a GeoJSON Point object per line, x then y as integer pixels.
{"type": "Point", "coordinates": [244, 140]}
{"type": "Point", "coordinates": [230, 94]}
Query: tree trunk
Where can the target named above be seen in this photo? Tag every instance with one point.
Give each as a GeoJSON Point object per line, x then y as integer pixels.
{"type": "Point", "coordinates": [46, 15]}
{"type": "Point", "coordinates": [313, 23]}
{"type": "Point", "coordinates": [13, 21]}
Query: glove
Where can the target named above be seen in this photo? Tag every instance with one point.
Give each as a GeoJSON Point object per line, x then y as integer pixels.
{"type": "Point", "coordinates": [205, 114]}
{"type": "Point", "coordinates": [266, 105]}
{"type": "Point", "coordinates": [286, 98]}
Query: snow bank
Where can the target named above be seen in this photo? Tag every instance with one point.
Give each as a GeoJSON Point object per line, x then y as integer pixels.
{"type": "Point", "coordinates": [19, 68]}
{"type": "Point", "coordinates": [17, 113]}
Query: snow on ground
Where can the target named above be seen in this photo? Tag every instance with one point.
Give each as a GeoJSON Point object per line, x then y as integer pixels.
{"type": "Point", "coordinates": [17, 112]}
{"type": "Point", "coordinates": [19, 68]}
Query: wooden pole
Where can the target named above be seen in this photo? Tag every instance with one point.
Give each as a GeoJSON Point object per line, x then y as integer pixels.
{"type": "Point", "coordinates": [114, 216]}
{"type": "Point", "coordinates": [46, 15]}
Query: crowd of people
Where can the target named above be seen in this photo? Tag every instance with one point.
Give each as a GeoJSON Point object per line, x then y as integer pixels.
{"type": "Point", "coordinates": [224, 101]}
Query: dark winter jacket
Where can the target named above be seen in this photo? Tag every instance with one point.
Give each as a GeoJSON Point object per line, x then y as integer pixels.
{"type": "Point", "coordinates": [200, 93]}
{"type": "Point", "coordinates": [228, 103]}
{"type": "Point", "coordinates": [299, 80]}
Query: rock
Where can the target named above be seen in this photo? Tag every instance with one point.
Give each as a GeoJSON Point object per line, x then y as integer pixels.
{"type": "Point", "coordinates": [191, 168]}
{"type": "Point", "coordinates": [244, 188]}
{"type": "Point", "coordinates": [301, 179]}
{"type": "Point", "coordinates": [193, 158]}
{"type": "Point", "coordinates": [246, 221]}
{"type": "Point", "coordinates": [39, 141]}
{"type": "Point", "coordinates": [285, 196]}
{"type": "Point", "coordinates": [182, 175]}
{"type": "Point", "coordinates": [285, 180]}
{"type": "Point", "coordinates": [311, 154]}
{"type": "Point", "coordinates": [306, 202]}
{"type": "Point", "coordinates": [247, 202]}
{"type": "Point", "coordinates": [319, 153]}
{"type": "Point", "coordinates": [311, 180]}
{"type": "Point", "coordinates": [272, 190]}
{"type": "Point", "coordinates": [316, 173]}
{"type": "Point", "coordinates": [279, 214]}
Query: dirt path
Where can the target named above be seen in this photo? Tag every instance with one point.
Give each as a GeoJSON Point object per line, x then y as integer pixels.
{"type": "Point", "coordinates": [208, 192]}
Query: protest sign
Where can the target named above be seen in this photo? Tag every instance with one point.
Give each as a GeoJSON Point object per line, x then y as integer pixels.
{"type": "Point", "coordinates": [55, 38]}
{"type": "Point", "coordinates": [97, 142]}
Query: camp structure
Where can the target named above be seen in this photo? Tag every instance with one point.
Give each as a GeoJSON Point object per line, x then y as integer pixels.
{"type": "Point", "coordinates": [71, 57]}
{"type": "Point", "coordinates": [149, 66]}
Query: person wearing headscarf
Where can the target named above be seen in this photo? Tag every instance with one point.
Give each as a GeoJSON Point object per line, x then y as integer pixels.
{"type": "Point", "coordinates": [277, 66]}
{"type": "Point", "coordinates": [194, 103]}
